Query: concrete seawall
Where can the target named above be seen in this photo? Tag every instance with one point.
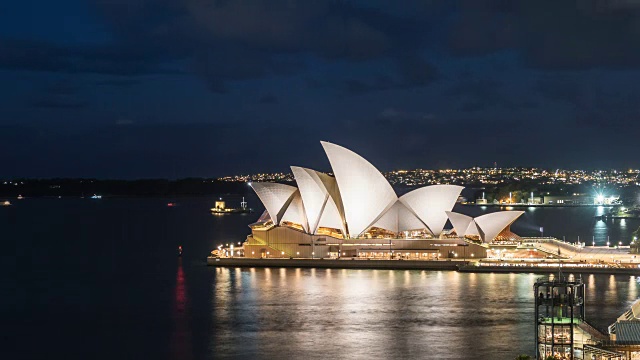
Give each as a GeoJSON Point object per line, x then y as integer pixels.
{"type": "Point", "coordinates": [548, 270]}
{"type": "Point", "coordinates": [461, 266]}
{"type": "Point", "coordinates": [337, 264]}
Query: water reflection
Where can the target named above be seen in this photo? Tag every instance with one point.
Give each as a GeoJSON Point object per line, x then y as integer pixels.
{"type": "Point", "coordinates": [600, 232]}
{"type": "Point", "coordinates": [321, 313]}
{"type": "Point", "coordinates": [181, 337]}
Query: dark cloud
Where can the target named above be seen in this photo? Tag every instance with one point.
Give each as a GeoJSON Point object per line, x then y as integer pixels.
{"type": "Point", "coordinates": [479, 94]}
{"type": "Point", "coordinates": [227, 41]}
{"type": "Point", "coordinates": [62, 88]}
{"type": "Point", "coordinates": [411, 71]}
{"type": "Point", "coordinates": [329, 30]}
{"type": "Point", "coordinates": [379, 83]}
{"type": "Point", "coordinates": [124, 122]}
{"type": "Point", "coordinates": [58, 103]}
{"type": "Point", "coordinates": [316, 83]}
{"type": "Point", "coordinates": [395, 116]}
{"type": "Point", "coordinates": [473, 106]}
{"type": "Point", "coordinates": [119, 82]}
{"type": "Point", "coordinates": [268, 99]}
{"type": "Point", "coordinates": [559, 88]}
{"type": "Point", "coordinates": [475, 87]}
{"type": "Point", "coordinates": [64, 94]}
{"type": "Point", "coordinates": [394, 58]}
{"type": "Point", "coordinates": [481, 27]}
{"type": "Point", "coordinates": [559, 35]}
{"type": "Point", "coordinates": [608, 109]}
{"type": "Point", "coordinates": [326, 29]}
{"type": "Point", "coordinates": [34, 55]}
{"type": "Point", "coordinates": [415, 71]}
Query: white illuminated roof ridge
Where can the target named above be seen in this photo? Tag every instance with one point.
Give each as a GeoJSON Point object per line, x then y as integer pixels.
{"type": "Point", "coordinates": [430, 204]}
{"type": "Point", "coordinates": [492, 224]}
{"type": "Point", "coordinates": [365, 192]}
{"type": "Point", "coordinates": [275, 197]}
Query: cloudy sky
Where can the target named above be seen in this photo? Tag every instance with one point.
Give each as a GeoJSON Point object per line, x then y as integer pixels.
{"type": "Point", "coordinates": [165, 88]}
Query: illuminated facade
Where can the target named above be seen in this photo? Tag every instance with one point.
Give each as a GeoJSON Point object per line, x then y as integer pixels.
{"type": "Point", "coordinates": [561, 331]}
{"type": "Point", "coordinates": [357, 213]}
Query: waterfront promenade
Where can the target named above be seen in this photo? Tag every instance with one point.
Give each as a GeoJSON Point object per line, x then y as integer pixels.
{"type": "Point", "coordinates": [581, 253]}
{"type": "Point", "coordinates": [571, 257]}
{"type": "Point", "coordinates": [338, 263]}
{"type": "Point", "coordinates": [478, 266]}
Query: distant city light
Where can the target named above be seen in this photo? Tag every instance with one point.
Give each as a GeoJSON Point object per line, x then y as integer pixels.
{"type": "Point", "coordinates": [487, 176]}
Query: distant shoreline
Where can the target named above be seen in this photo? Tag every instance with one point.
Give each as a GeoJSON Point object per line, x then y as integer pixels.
{"type": "Point", "coordinates": [120, 188]}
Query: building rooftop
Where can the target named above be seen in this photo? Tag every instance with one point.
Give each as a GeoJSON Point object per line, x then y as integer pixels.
{"type": "Point", "coordinates": [628, 332]}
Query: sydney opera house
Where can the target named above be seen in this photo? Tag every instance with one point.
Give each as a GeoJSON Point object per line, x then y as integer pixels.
{"type": "Point", "coordinates": [356, 213]}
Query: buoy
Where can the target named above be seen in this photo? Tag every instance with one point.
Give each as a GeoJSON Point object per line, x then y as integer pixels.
{"type": "Point", "coordinates": [180, 250]}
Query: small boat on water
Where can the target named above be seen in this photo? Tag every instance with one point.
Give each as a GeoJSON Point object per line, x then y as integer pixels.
{"type": "Point", "coordinates": [171, 204]}
{"type": "Point", "coordinates": [6, 203]}
{"type": "Point", "coordinates": [220, 208]}
{"type": "Point", "coordinates": [20, 197]}
{"type": "Point", "coordinates": [96, 196]}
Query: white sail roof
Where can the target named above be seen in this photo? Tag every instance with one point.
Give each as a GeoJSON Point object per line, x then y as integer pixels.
{"type": "Point", "coordinates": [407, 220]}
{"type": "Point", "coordinates": [398, 218]}
{"type": "Point", "coordinates": [460, 222]}
{"type": "Point", "coordinates": [314, 193]}
{"type": "Point", "coordinates": [295, 212]}
{"type": "Point", "coordinates": [365, 192]}
{"type": "Point", "coordinates": [430, 204]}
{"type": "Point", "coordinates": [492, 224]}
{"type": "Point", "coordinates": [264, 217]}
{"type": "Point", "coordinates": [275, 197]}
{"type": "Point", "coordinates": [330, 217]}
{"type": "Point", "coordinates": [389, 220]}
{"type": "Point", "coordinates": [472, 229]}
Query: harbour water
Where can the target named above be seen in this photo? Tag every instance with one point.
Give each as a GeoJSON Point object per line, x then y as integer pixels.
{"type": "Point", "coordinates": [101, 279]}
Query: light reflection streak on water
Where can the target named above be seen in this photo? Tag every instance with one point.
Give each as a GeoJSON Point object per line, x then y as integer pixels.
{"type": "Point", "coordinates": [600, 232]}
{"type": "Point", "coordinates": [319, 313]}
{"type": "Point", "coordinates": [181, 337]}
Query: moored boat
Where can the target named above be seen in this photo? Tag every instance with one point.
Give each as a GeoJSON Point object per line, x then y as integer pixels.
{"type": "Point", "coordinates": [220, 208]}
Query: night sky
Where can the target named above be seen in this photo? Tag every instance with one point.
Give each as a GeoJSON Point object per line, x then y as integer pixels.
{"type": "Point", "coordinates": [177, 88]}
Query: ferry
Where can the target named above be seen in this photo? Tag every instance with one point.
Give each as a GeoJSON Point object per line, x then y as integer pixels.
{"type": "Point", "coordinates": [220, 208]}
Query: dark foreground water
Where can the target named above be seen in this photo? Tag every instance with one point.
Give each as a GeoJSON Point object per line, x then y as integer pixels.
{"type": "Point", "coordinates": [88, 279]}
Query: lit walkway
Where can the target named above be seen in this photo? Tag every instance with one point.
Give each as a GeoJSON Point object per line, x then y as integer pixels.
{"type": "Point", "coordinates": [586, 253]}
